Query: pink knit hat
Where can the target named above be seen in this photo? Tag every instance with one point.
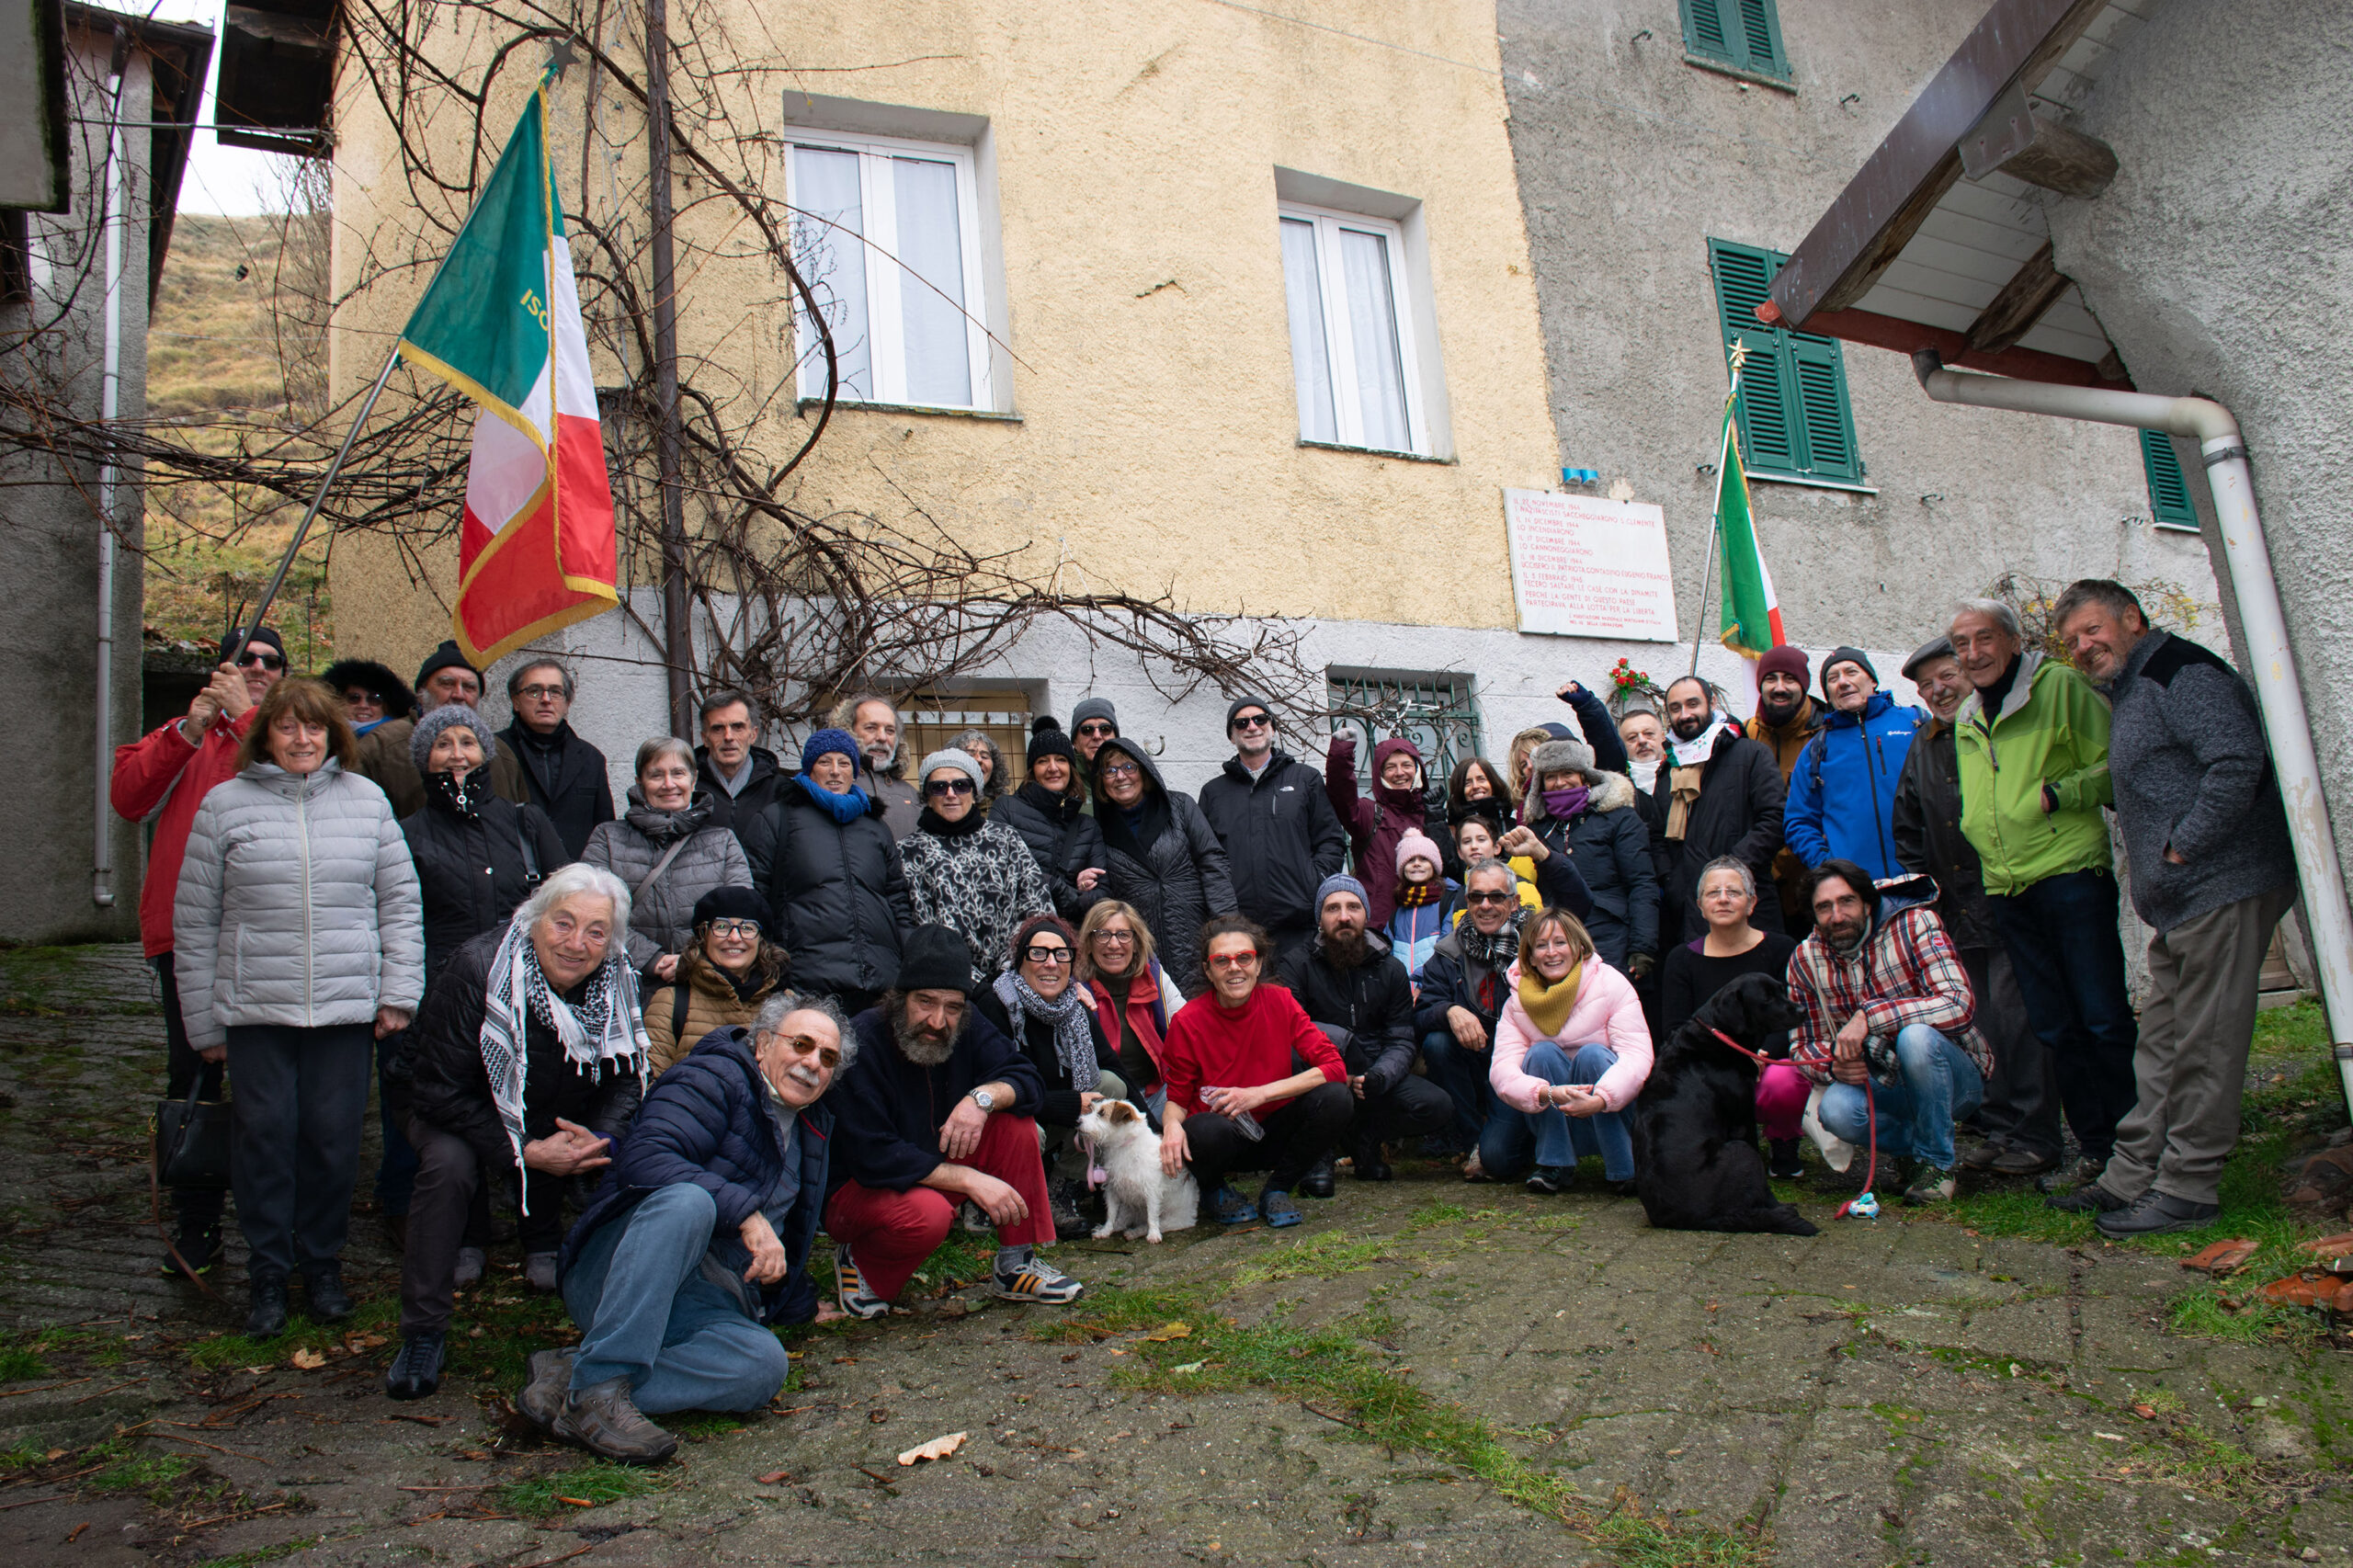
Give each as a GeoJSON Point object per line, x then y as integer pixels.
{"type": "Point", "coordinates": [1415, 842]}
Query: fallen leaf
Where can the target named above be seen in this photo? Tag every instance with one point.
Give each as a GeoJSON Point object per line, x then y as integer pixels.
{"type": "Point", "coordinates": [1168, 1330]}
{"type": "Point", "coordinates": [575, 1502]}
{"type": "Point", "coordinates": [308, 1360]}
{"type": "Point", "coordinates": [2145, 1412]}
{"type": "Point", "coordinates": [1189, 1367]}
{"type": "Point", "coordinates": [2109, 1437]}
{"type": "Point", "coordinates": [937, 1449]}
{"type": "Point", "coordinates": [2221, 1257]}
{"type": "Point", "coordinates": [878, 1416]}
{"type": "Point", "coordinates": [774, 1476]}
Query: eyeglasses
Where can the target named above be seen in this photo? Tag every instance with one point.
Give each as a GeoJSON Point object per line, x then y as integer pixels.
{"type": "Point", "coordinates": [1095, 728]}
{"type": "Point", "coordinates": [1048, 955]}
{"type": "Point", "coordinates": [1489, 897]}
{"type": "Point", "coordinates": [744, 928]}
{"type": "Point", "coordinates": [1233, 961]}
{"type": "Point", "coordinates": [828, 1056]}
{"type": "Point", "coordinates": [541, 693]}
{"type": "Point", "coordinates": [1114, 938]}
{"type": "Point", "coordinates": [948, 787]}
{"type": "Point", "coordinates": [252, 658]}
{"type": "Point", "coordinates": [1122, 770]}
{"type": "Point", "coordinates": [1254, 722]}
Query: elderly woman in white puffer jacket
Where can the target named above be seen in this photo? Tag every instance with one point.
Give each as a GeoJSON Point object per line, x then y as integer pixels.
{"type": "Point", "coordinates": [298, 936]}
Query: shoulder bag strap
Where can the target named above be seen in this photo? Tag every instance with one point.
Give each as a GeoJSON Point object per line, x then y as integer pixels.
{"type": "Point", "coordinates": [659, 867]}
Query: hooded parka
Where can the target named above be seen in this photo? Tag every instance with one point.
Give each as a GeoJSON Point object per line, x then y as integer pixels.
{"type": "Point", "coordinates": [1167, 863]}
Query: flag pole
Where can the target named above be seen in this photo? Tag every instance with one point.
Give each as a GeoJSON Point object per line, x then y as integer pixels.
{"type": "Point", "coordinates": [244, 634]}
{"type": "Point", "coordinates": [1715, 521]}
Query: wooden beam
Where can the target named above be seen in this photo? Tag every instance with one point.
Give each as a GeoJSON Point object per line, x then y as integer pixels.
{"type": "Point", "coordinates": [2011, 315]}
{"type": "Point", "coordinates": [2020, 364]}
{"type": "Point", "coordinates": [2062, 159]}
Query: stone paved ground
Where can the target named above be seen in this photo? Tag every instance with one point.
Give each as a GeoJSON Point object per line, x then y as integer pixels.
{"type": "Point", "coordinates": [1425, 1373]}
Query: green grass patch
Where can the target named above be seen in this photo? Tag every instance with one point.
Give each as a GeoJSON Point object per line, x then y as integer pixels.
{"type": "Point", "coordinates": [155, 1474]}
{"type": "Point", "coordinates": [21, 1364]}
{"type": "Point", "coordinates": [378, 1316]}
{"type": "Point", "coordinates": [1324, 1255]}
{"type": "Point", "coordinates": [564, 1491]}
{"type": "Point", "coordinates": [261, 1554]}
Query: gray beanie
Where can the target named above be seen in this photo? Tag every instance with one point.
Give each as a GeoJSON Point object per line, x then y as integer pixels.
{"type": "Point", "coordinates": [1246, 700]}
{"type": "Point", "coordinates": [1093, 708]}
{"type": "Point", "coordinates": [1562, 757]}
{"type": "Point", "coordinates": [449, 716]}
{"type": "Point", "coordinates": [963, 762]}
{"type": "Point", "coordinates": [1338, 881]}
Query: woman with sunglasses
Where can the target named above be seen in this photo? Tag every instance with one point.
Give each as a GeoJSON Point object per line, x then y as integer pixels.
{"type": "Point", "coordinates": [1039, 1004]}
{"type": "Point", "coordinates": [972, 875]}
{"type": "Point", "coordinates": [734, 967]}
{"type": "Point", "coordinates": [1161, 856]}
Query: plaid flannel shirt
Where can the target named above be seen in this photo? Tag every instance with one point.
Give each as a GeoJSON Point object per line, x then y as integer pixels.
{"type": "Point", "coordinates": [1906, 972]}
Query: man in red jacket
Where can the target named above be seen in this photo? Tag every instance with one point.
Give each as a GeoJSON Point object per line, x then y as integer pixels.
{"type": "Point", "coordinates": [161, 778]}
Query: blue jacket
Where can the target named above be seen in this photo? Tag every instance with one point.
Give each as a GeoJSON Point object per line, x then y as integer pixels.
{"type": "Point", "coordinates": [706, 1120]}
{"type": "Point", "coordinates": [1842, 792]}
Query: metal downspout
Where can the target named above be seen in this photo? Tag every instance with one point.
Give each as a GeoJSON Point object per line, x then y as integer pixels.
{"type": "Point", "coordinates": [110, 400]}
{"type": "Point", "coordinates": [2287, 724]}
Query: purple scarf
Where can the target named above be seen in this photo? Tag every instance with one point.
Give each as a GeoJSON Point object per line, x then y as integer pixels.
{"type": "Point", "coordinates": [1566, 804]}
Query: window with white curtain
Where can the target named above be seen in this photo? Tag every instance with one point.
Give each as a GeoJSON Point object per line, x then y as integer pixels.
{"type": "Point", "coordinates": [888, 236]}
{"type": "Point", "coordinates": [1352, 350]}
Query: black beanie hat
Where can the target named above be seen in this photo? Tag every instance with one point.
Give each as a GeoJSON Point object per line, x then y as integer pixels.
{"type": "Point", "coordinates": [935, 958]}
{"type": "Point", "coordinates": [733, 904]}
{"type": "Point", "coordinates": [1846, 656]}
{"type": "Point", "coordinates": [1246, 700]}
{"type": "Point", "coordinates": [1046, 739]}
{"type": "Point", "coordinates": [373, 678]}
{"type": "Point", "coordinates": [267, 636]}
{"type": "Point", "coordinates": [445, 658]}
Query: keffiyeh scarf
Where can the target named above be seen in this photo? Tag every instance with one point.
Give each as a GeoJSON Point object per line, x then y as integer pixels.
{"type": "Point", "coordinates": [1687, 761]}
{"type": "Point", "coordinates": [601, 1029]}
{"type": "Point", "coordinates": [1073, 1046]}
{"type": "Point", "coordinates": [1494, 954]}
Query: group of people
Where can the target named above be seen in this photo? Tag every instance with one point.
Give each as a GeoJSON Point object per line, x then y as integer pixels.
{"type": "Point", "coordinates": [756, 1004]}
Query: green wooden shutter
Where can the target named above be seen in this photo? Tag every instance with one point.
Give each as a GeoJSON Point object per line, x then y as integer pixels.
{"type": "Point", "coordinates": [2170, 504]}
{"type": "Point", "coordinates": [1743, 33]}
{"type": "Point", "coordinates": [1793, 413]}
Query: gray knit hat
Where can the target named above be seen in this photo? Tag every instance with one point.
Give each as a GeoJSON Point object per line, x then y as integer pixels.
{"type": "Point", "coordinates": [1338, 881]}
{"type": "Point", "coordinates": [1562, 757]}
{"type": "Point", "coordinates": [949, 756]}
{"type": "Point", "coordinates": [1093, 708]}
{"type": "Point", "coordinates": [449, 716]}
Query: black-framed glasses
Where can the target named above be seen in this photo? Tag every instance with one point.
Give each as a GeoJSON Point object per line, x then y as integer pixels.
{"type": "Point", "coordinates": [747, 929]}
{"type": "Point", "coordinates": [254, 658]}
{"type": "Point", "coordinates": [1254, 722]}
{"type": "Point", "coordinates": [958, 785]}
{"type": "Point", "coordinates": [1489, 897]}
{"type": "Point", "coordinates": [1122, 770]}
{"type": "Point", "coordinates": [1047, 955]}
{"type": "Point", "coordinates": [1095, 728]}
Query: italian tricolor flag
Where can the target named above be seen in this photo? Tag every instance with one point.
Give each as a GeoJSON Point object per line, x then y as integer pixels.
{"type": "Point", "coordinates": [501, 323]}
{"type": "Point", "coordinates": [1752, 617]}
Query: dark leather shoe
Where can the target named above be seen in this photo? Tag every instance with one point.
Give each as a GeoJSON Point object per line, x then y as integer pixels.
{"type": "Point", "coordinates": [1785, 1164]}
{"type": "Point", "coordinates": [1317, 1182]}
{"type": "Point", "coordinates": [266, 1318]}
{"type": "Point", "coordinates": [2089, 1199]}
{"type": "Point", "coordinates": [330, 1303]}
{"type": "Point", "coordinates": [603, 1419]}
{"type": "Point", "coordinates": [1371, 1166]}
{"type": "Point", "coordinates": [542, 1397]}
{"type": "Point", "coordinates": [415, 1372]}
{"type": "Point", "coordinates": [2154, 1213]}
{"type": "Point", "coordinates": [2022, 1162]}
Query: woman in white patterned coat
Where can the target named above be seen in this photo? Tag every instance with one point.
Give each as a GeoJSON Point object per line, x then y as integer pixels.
{"type": "Point", "coordinates": [298, 936]}
{"type": "Point", "coordinates": [972, 875]}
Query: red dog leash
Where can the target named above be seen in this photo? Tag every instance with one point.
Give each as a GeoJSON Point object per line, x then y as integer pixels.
{"type": "Point", "coordinates": [1870, 1109]}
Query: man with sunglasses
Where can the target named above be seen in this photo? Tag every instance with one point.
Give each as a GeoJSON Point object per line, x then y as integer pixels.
{"type": "Point", "coordinates": [1092, 723]}
{"type": "Point", "coordinates": [1281, 835]}
{"type": "Point", "coordinates": [161, 778]}
{"type": "Point", "coordinates": [697, 1245]}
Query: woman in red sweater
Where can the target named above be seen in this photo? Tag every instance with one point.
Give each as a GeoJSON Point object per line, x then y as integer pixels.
{"type": "Point", "coordinates": [1239, 1098]}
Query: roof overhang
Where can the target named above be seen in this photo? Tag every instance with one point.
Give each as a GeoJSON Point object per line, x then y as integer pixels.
{"type": "Point", "coordinates": [276, 85]}
{"type": "Point", "coordinates": [181, 53]}
{"type": "Point", "coordinates": [1942, 239]}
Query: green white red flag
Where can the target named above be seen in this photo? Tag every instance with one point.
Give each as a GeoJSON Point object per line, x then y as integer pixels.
{"type": "Point", "coordinates": [501, 323]}
{"type": "Point", "coordinates": [1752, 614]}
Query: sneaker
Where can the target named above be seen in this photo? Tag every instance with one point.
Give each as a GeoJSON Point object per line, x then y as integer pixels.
{"type": "Point", "coordinates": [1784, 1164]}
{"type": "Point", "coordinates": [2154, 1213]}
{"type": "Point", "coordinates": [323, 1285]}
{"type": "Point", "coordinates": [603, 1419]}
{"type": "Point", "coordinates": [1550, 1179]}
{"type": "Point", "coordinates": [1035, 1279]}
{"type": "Point", "coordinates": [415, 1372]}
{"type": "Point", "coordinates": [1231, 1208]}
{"type": "Point", "coordinates": [467, 1273]}
{"type": "Point", "coordinates": [1980, 1156]}
{"type": "Point", "coordinates": [265, 1314]}
{"type": "Point", "coordinates": [1930, 1184]}
{"type": "Point", "coordinates": [544, 1396]}
{"type": "Point", "coordinates": [2089, 1199]}
{"type": "Point", "coordinates": [1276, 1208]}
{"type": "Point", "coordinates": [1317, 1182]}
{"type": "Point", "coordinates": [538, 1269]}
{"type": "Point", "coordinates": [201, 1244]}
{"type": "Point", "coordinates": [850, 1293]}
{"type": "Point", "coordinates": [2022, 1162]}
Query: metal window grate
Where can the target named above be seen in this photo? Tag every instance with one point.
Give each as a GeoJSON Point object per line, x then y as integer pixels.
{"type": "Point", "coordinates": [935, 717]}
{"type": "Point", "coordinates": [1434, 712]}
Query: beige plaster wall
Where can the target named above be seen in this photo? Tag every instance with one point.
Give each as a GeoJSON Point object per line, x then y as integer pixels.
{"type": "Point", "coordinates": [1135, 145]}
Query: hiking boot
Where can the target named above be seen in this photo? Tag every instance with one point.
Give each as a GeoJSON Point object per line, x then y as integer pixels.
{"type": "Point", "coordinates": [265, 1317]}
{"type": "Point", "coordinates": [1276, 1209]}
{"type": "Point", "coordinates": [849, 1287]}
{"type": "Point", "coordinates": [415, 1372]}
{"type": "Point", "coordinates": [551, 1381]}
{"type": "Point", "coordinates": [198, 1243]}
{"type": "Point", "coordinates": [1317, 1182]}
{"type": "Point", "coordinates": [1930, 1184]}
{"type": "Point", "coordinates": [1032, 1279]}
{"type": "Point", "coordinates": [2083, 1172]}
{"type": "Point", "coordinates": [1231, 1208]}
{"type": "Point", "coordinates": [603, 1419]}
{"type": "Point", "coordinates": [467, 1273]}
{"type": "Point", "coordinates": [1550, 1179]}
{"type": "Point", "coordinates": [1784, 1164]}
{"type": "Point", "coordinates": [538, 1271]}
{"type": "Point", "coordinates": [1624, 1187]}
{"type": "Point", "coordinates": [322, 1284]}
{"type": "Point", "coordinates": [2154, 1213]}
{"type": "Point", "coordinates": [1069, 1223]}
{"type": "Point", "coordinates": [2022, 1162]}
{"type": "Point", "coordinates": [2089, 1199]}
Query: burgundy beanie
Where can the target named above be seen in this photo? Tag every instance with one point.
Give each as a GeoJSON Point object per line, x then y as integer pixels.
{"type": "Point", "coordinates": [1786, 659]}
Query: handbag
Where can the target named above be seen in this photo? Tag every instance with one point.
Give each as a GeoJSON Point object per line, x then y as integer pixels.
{"type": "Point", "coordinates": [192, 1140]}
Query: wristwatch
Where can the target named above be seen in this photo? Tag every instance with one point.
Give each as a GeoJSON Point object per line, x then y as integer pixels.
{"type": "Point", "coordinates": [983, 1099]}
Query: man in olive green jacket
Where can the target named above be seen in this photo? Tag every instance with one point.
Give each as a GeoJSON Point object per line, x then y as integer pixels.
{"type": "Point", "coordinates": [2032, 748]}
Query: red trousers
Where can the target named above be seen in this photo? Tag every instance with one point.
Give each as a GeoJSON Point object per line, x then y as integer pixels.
{"type": "Point", "coordinates": [890, 1234]}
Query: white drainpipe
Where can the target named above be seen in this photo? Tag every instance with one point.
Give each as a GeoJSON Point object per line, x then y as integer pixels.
{"type": "Point", "coordinates": [2260, 619]}
{"type": "Point", "coordinates": [109, 399]}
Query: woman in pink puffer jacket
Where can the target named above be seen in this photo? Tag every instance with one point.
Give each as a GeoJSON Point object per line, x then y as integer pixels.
{"type": "Point", "coordinates": [1571, 1054]}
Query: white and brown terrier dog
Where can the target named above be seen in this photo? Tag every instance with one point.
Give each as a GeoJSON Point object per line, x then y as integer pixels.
{"type": "Point", "coordinates": [1139, 1198]}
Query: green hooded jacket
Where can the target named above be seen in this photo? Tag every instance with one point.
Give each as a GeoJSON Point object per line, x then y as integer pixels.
{"type": "Point", "coordinates": [2052, 729]}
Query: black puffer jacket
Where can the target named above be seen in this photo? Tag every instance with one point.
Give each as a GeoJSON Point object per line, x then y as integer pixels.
{"type": "Point", "coordinates": [472, 870]}
{"type": "Point", "coordinates": [1928, 839]}
{"type": "Point", "coordinates": [1281, 837]}
{"type": "Point", "coordinates": [1374, 1002]}
{"type": "Point", "coordinates": [745, 814]}
{"type": "Point", "coordinates": [1170, 865]}
{"type": "Point", "coordinates": [450, 1090]}
{"type": "Point", "coordinates": [1738, 814]}
{"type": "Point", "coordinates": [1063, 838]}
{"type": "Point", "coordinates": [838, 894]}
{"type": "Point", "coordinates": [1609, 846]}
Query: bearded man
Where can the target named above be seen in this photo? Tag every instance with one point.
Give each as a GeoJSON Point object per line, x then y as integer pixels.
{"type": "Point", "coordinates": [936, 1107]}
{"type": "Point", "coordinates": [1718, 793]}
{"type": "Point", "coordinates": [1786, 719]}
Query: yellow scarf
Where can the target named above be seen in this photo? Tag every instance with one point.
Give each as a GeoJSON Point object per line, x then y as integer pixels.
{"type": "Point", "coordinates": [1683, 788]}
{"type": "Point", "coordinates": [1549, 1005]}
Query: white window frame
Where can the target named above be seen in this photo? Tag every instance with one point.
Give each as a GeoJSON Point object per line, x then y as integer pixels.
{"type": "Point", "coordinates": [885, 318]}
{"type": "Point", "coordinates": [1339, 344]}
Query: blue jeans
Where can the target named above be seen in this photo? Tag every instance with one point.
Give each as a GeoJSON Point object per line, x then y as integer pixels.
{"type": "Point", "coordinates": [1464, 1075]}
{"type": "Point", "coordinates": [2070, 965]}
{"type": "Point", "coordinates": [1915, 1117]}
{"type": "Point", "coordinates": [646, 1312]}
{"type": "Point", "coordinates": [1555, 1137]}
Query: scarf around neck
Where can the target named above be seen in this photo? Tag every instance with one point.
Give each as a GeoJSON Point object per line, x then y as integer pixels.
{"type": "Point", "coordinates": [1687, 761]}
{"type": "Point", "coordinates": [602, 1028]}
{"type": "Point", "coordinates": [1073, 1046]}
{"type": "Point", "coordinates": [932, 822]}
{"type": "Point", "coordinates": [1413, 895]}
{"type": "Point", "coordinates": [845, 807]}
{"type": "Point", "coordinates": [1549, 1006]}
{"type": "Point", "coordinates": [1566, 805]}
{"type": "Point", "coordinates": [662, 826]}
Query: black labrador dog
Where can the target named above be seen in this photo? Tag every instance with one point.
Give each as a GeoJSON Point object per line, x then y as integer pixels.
{"type": "Point", "coordinates": [1696, 1163]}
